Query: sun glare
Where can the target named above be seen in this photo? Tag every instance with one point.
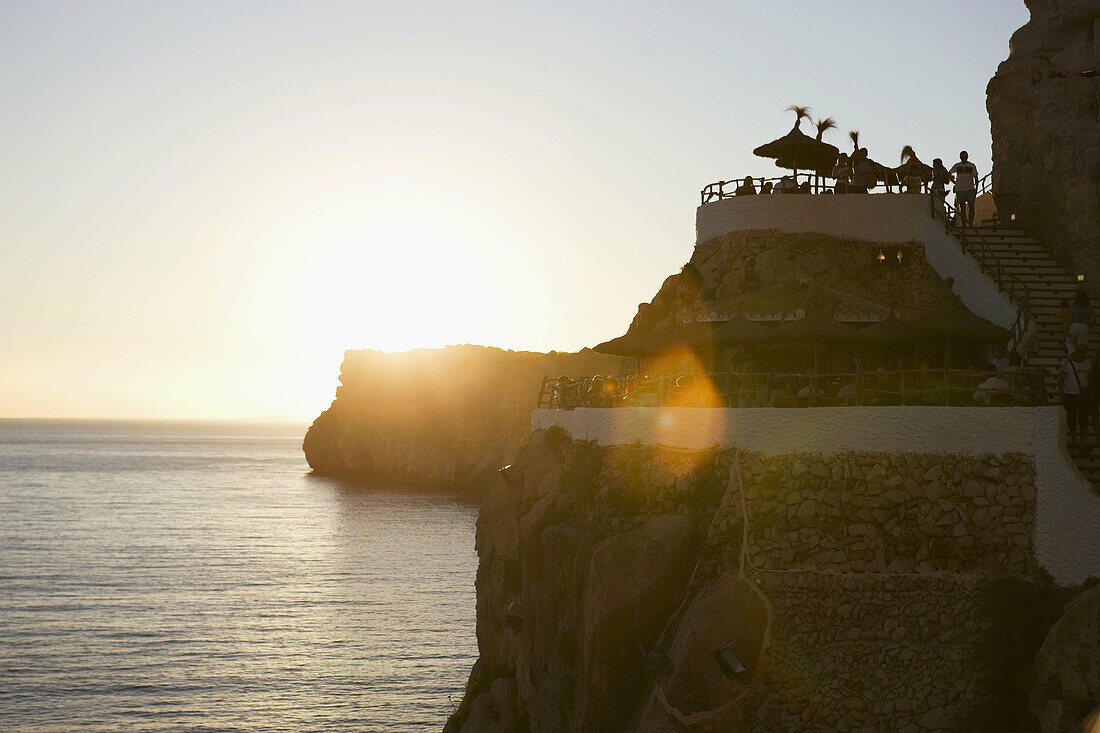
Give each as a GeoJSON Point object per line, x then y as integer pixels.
{"type": "Point", "coordinates": [393, 289]}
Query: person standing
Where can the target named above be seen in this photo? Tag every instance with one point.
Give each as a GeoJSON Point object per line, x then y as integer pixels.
{"type": "Point", "coordinates": [842, 171]}
{"type": "Point", "coordinates": [862, 172]}
{"type": "Point", "coordinates": [1073, 383]}
{"type": "Point", "coordinates": [940, 178]}
{"type": "Point", "coordinates": [1080, 321]}
{"type": "Point", "coordinates": [965, 176]}
{"type": "Point", "coordinates": [786, 185]}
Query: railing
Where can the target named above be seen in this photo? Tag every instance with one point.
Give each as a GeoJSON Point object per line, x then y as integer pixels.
{"type": "Point", "coordinates": [728, 189]}
{"type": "Point", "coordinates": [975, 243]}
{"type": "Point", "coordinates": [818, 184]}
{"type": "Point", "coordinates": [952, 387]}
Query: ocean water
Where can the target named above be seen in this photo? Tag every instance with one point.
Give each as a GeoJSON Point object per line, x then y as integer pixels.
{"type": "Point", "coordinates": [195, 577]}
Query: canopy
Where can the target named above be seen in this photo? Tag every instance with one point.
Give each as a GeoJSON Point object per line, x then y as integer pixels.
{"type": "Point", "coordinates": [951, 320]}
{"type": "Point", "coordinates": [817, 327]}
{"type": "Point", "coordinates": [740, 330]}
{"type": "Point", "coordinates": [798, 151]}
{"type": "Point", "coordinates": [914, 165]}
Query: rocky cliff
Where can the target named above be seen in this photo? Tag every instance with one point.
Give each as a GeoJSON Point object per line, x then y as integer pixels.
{"type": "Point", "coordinates": [1044, 114]}
{"type": "Point", "coordinates": [448, 418]}
{"type": "Point", "coordinates": [650, 589]}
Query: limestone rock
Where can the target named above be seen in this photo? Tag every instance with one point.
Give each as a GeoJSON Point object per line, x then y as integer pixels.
{"type": "Point", "coordinates": [395, 419]}
{"type": "Point", "coordinates": [1045, 120]}
{"type": "Point", "coordinates": [1067, 667]}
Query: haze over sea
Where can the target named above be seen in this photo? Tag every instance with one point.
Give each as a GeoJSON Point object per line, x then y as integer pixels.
{"type": "Point", "coordinates": [194, 576]}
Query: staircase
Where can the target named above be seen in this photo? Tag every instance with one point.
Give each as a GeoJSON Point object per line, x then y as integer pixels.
{"type": "Point", "coordinates": [1046, 283]}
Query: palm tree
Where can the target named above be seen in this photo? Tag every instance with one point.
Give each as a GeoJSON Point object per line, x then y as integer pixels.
{"type": "Point", "coordinates": [824, 126]}
{"type": "Point", "coordinates": [853, 135]}
{"type": "Point", "coordinates": [800, 113]}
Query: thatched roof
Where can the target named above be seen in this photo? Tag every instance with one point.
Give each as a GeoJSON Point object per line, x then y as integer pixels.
{"type": "Point", "coordinates": [798, 151]}
{"type": "Point", "coordinates": [950, 319]}
{"type": "Point", "coordinates": [911, 165]}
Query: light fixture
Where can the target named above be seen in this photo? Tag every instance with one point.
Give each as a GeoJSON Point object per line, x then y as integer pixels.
{"type": "Point", "coordinates": [1080, 278]}
{"type": "Point", "coordinates": [899, 256]}
{"type": "Point", "coordinates": [881, 256]}
{"type": "Point", "coordinates": [1012, 217]}
{"type": "Point", "coordinates": [1088, 72]}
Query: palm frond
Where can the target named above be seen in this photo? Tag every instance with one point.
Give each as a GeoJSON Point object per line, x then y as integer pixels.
{"type": "Point", "coordinates": [853, 135]}
{"type": "Point", "coordinates": [907, 153]}
{"type": "Point", "coordinates": [824, 126]}
{"type": "Point", "coordinates": [800, 113]}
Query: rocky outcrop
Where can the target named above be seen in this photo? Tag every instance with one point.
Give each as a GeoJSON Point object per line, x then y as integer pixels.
{"type": "Point", "coordinates": [1045, 120]}
{"type": "Point", "coordinates": [625, 588]}
{"type": "Point", "coordinates": [1067, 669]}
{"type": "Point", "coordinates": [447, 418]}
{"type": "Point", "coordinates": [761, 273]}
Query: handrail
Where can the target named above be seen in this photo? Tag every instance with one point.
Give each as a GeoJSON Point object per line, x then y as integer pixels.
{"type": "Point", "coordinates": [927, 386]}
{"type": "Point", "coordinates": [728, 188]}
{"type": "Point", "coordinates": [981, 251]}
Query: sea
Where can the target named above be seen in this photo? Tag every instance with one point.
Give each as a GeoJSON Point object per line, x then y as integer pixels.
{"type": "Point", "coordinates": [195, 576]}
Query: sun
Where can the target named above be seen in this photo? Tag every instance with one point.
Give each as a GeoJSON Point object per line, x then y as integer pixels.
{"type": "Point", "coordinates": [395, 289]}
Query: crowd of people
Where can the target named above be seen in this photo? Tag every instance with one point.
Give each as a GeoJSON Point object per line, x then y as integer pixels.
{"type": "Point", "coordinates": [857, 173]}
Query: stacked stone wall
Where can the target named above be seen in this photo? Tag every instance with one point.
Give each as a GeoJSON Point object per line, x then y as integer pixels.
{"type": "Point", "coordinates": [857, 591]}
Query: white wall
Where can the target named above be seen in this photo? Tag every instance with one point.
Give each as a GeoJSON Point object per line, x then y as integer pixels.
{"type": "Point", "coordinates": [885, 218]}
{"type": "Point", "coordinates": [975, 289]}
{"type": "Point", "coordinates": [871, 217]}
{"type": "Point", "coordinates": [1067, 514]}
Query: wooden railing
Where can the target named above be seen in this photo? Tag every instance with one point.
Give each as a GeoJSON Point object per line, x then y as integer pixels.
{"type": "Point", "coordinates": [818, 184]}
{"type": "Point", "coordinates": [953, 387]}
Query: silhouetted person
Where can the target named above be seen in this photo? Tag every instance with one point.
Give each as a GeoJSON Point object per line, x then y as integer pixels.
{"type": "Point", "coordinates": [747, 188]}
{"type": "Point", "coordinates": [940, 178]}
{"type": "Point", "coordinates": [842, 172]}
{"type": "Point", "coordinates": [766, 188]}
{"type": "Point", "coordinates": [1073, 382]}
{"type": "Point", "coordinates": [1080, 322]}
{"type": "Point", "coordinates": [965, 175]}
{"type": "Point", "coordinates": [863, 172]}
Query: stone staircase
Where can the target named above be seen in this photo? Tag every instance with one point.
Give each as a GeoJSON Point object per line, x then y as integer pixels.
{"type": "Point", "coordinates": [1046, 282]}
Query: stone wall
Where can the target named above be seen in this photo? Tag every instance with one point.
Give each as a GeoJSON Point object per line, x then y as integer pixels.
{"type": "Point", "coordinates": [1067, 527]}
{"type": "Point", "coordinates": [886, 218]}
{"type": "Point", "coordinates": [873, 221]}
{"type": "Point", "coordinates": [854, 585]}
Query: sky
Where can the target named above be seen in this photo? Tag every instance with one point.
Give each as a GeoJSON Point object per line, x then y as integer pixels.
{"type": "Point", "coordinates": [205, 203]}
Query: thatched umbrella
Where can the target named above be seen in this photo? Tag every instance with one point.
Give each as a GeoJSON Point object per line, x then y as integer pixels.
{"type": "Point", "coordinates": [911, 164]}
{"type": "Point", "coordinates": [881, 172]}
{"type": "Point", "coordinates": [797, 150]}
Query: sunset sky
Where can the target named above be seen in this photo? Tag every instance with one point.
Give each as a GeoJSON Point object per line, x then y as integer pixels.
{"type": "Point", "coordinates": [206, 203]}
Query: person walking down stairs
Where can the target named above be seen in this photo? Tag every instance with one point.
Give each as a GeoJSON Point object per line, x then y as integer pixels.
{"type": "Point", "coordinates": [1073, 383]}
{"type": "Point", "coordinates": [1080, 322]}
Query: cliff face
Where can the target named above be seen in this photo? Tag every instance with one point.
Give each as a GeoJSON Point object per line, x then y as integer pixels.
{"type": "Point", "coordinates": [448, 418]}
{"type": "Point", "coordinates": [622, 589]}
{"type": "Point", "coordinates": [1045, 120]}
